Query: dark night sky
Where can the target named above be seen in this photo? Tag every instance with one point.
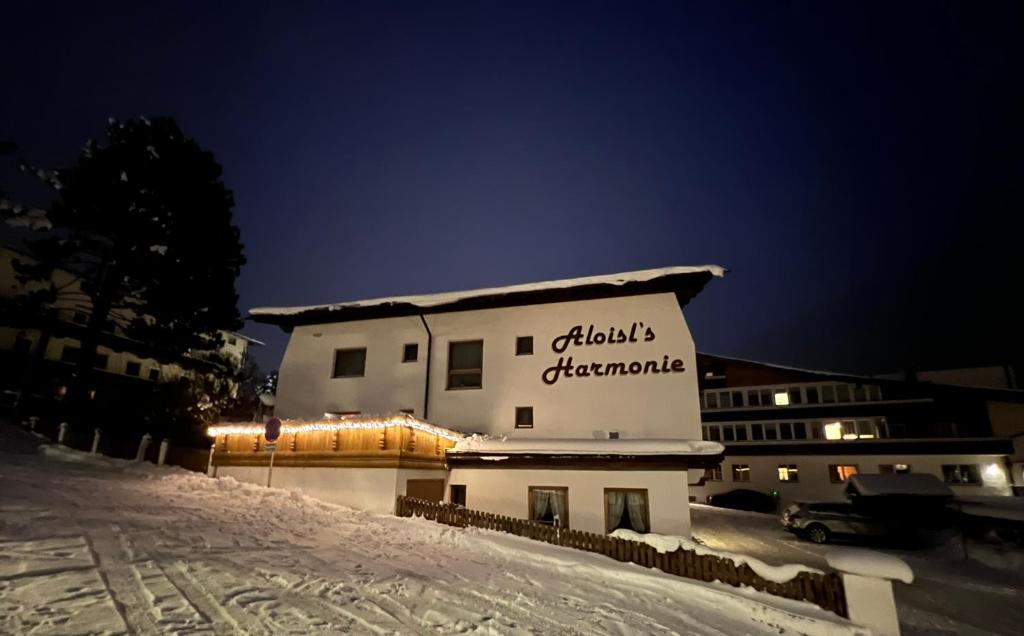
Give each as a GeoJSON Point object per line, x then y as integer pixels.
{"type": "Point", "coordinates": [859, 168]}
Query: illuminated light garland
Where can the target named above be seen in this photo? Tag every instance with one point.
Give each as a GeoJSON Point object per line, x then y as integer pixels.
{"type": "Point", "coordinates": [345, 423]}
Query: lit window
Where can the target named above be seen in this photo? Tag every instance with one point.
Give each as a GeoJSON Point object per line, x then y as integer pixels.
{"type": "Point", "coordinates": [781, 398]}
{"type": "Point", "coordinates": [961, 473]}
{"type": "Point", "coordinates": [838, 473]}
{"type": "Point", "coordinates": [789, 472]}
{"type": "Point", "coordinates": [833, 430]}
{"type": "Point", "coordinates": [741, 472]}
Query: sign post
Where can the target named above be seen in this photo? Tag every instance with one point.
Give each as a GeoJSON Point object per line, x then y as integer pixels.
{"type": "Point", "coordinates": [271, 431]}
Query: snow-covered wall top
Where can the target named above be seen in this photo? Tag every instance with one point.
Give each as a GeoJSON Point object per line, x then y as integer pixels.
{"type": "Point", "coordinates": [536, 446]}
{"type": "Point", "coordinates": [279, 315]}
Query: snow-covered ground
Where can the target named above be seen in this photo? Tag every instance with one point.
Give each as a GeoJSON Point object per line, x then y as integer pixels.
{"type": "Point", "coordinates": [91, 545]}
{"type": "Point", "coordinates": [950, 595]}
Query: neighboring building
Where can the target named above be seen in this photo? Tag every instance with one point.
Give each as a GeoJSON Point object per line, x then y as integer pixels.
{"type": "Point", "coordinates": [801, 433]}
{"type": "Point", "coordinates": [607, 360]}
{"type": "Point", "coordinates": [121, 359]}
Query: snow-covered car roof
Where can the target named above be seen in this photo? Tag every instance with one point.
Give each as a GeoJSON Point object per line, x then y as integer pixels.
{"type": "Point", "coordinates": [685, 281]}
{"type": "Point", "coordinates": [918, 484]}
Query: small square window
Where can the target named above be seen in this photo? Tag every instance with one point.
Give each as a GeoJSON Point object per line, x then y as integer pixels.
{"type": "Point", "coordinates": [613, 435]}
{"type": "Point", "coordinates": [458, 495]}
{"type": "Point", "coordinates": [100, 361]}
{"type": "Point", "coordinates": [789, 472]}
{"type": "Point", "coordinates": [781, 398]}
{"type": "Point", "coordinates": [132, 368]}
{"type": "Point", "coordinates": [741, 472]}
{"type": "Point", "coordinates": [713, 474]}
{"type": "Point", "coordinates": [349, 363]}
{"type": "Point", "coordinates": [69, 354]}
{"type": "Point", "coordinates": [838, 473]}
{"type": "Point", "coordinates": [154, 375]}
{"type": "Point", "coordinates": [524, 417]}
{"type": "Point", "coordinates": [410, 352]}
{"type": "Point", "coordinates": [524, 346]}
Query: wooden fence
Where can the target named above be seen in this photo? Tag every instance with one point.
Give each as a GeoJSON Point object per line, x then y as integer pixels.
{"type": "Point", "coordinates": [824, 590]}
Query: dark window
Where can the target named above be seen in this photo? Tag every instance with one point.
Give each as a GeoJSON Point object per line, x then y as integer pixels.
{"type": "Point", "coordinates": [741, 472]}
{"type": "Point", "coordinates": [770, 431]}
{"type": "Point", "coordinates": [741, 432]}
{"type": "Point", "coordinates": [828, 394]}
{"type": "Point", "coordinates": [22, 346]}
{"type": "Point", "coordinates": [613, 435]}
{"type": "Point", "coordinates": [799, 430]}
{"type": "Point", "coordinates": [961, 473]}
{"type": "Point", "coordinates": [714, 433]}
{"type": "Point", "coordinates": [812, 395]}
{"type": "Point", "coordinates": [524, 417]}
{"type": "Point", "coordinates": [69, 354]}
{"type": "Point", "coordinates": [232, 341]}
{"type": "Point", "coordinates": [795, 397]}
{"type": "Point", "coordinates": [711, 399]}
{"type": "Point", "coordinates": [132, 368]}
{"type": "Point", "coordinates": [349, 363]}
{"type": "Point", "coordinates": [757, 432]}
{"type": "Point", "coordinates": [786, 430]}
{"type": "Point", "coordinates": [549, 505]}
{"type": "Point", "coordinates": [713, 474]}
{"type": "Point", "coordinates": [410, 352]}
{"type": "Point", "coordinates": [737, 399]}
{"type": "Point", "coordinates": [524, 346]}
{"type": "Point", "coordinates": [110, 326]}
{"type": "Point", "coordinates": [842, 393]}
{"type": "Point", "coordinates": [100, 361]}
{"type": "Point", "coordinates": [725, 400]}
{"type": "Point", "coordinates": [154, 374]}
{"type": "Point", "coordinates": [466, 364]}
{"type": "Point", "coordinates": [80, 318]}
{"type": "Point", "coordinates": [728, 434]}
{"type": "Point", "coordinates": [458, 495]}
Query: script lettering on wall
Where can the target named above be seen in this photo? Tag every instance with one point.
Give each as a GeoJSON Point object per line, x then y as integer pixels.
{"type": "Point", "coordinates": [566, 367]}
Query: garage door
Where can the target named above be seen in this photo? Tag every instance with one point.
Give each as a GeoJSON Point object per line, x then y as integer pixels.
{"type": "Point", "coordinates": [429, 489]}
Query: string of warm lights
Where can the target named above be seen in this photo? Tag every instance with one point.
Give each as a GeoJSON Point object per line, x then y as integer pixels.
{"type": "Point", "coordinates": [345, 423]}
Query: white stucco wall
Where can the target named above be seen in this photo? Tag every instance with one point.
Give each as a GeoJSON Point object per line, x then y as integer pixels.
{"type": "Point", "coordinates": [651, 405]}
{"type": "Point", "coordinates": [506, 492]}
{"type": "Point", "coordinates": [371, 489]}
{"type": "Point", "coordinates": [814, 481]}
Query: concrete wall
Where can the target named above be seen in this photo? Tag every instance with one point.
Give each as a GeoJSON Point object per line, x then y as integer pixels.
{"type": "Point", "coordinates": [371, 489]}
{"type": "Point", "coordinates": [814, 481]}
{"type": "Point", "coordinates": [506, 492]}
{"type": "Point", "coordinates": [651, 405]}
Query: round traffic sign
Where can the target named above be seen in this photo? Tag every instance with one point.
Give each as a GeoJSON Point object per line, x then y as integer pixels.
{"type": "Point", "coordinates": [272, 430]}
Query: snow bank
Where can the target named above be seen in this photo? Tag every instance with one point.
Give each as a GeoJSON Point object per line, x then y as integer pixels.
{"type": "Point", "coordinates": [670, 543]}
{"type": "Point", "coordinates": [433, 300]}
{"type": "Point", "coordinates": [869, 563]}
{"type": "Point", "coordinates": [533, 446]}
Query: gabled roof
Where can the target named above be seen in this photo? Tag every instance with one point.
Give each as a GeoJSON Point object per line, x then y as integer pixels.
{"type": "Point", "coordinates": [685, 282]}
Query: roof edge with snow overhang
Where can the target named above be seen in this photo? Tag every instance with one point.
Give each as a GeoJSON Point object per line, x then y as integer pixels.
{"type": "Point", "coordinates": [611, 454]}
{"type": "Point", "coordinates": [685, 281]}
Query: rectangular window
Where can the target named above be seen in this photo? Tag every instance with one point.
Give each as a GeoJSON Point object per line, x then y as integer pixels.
{"type": "Point", "coordinates": [713, 474]}
{"type": "Point", "coordinates": [410, 352]}
{"type": "Point", "coordinates": [961, 473]}
{"type": "Point", "coordinates": [100, 361]}
{"type": "Point", "coordinates": [770, 431]}
{"type": "Point", "coordinates": [132, 368]}
{"type": "Point", "coordinates": [704, 433]}
{"type": "Point", "coordinates": [154, 375]}
{"type": "Point", "coordinates": [842, 393]}
{"type": "Point", "coordinates": [833, 430]}
{"type": "Point", "coordinates": [626, 508]}
{"type": "Point", "coordinates": [799, 430]}
{"type": "Point", "coordinates": [613, 435]}
{"type": "Point", "coordinates": [786, 430]}
{"type": "Point", "coordinates": [781, 398]}
{"type": "Point", "coordinates": [69, 354]}
{"type": "Point", "coordinates": [737, 399]}
{"type": "Point", "coordinates": [875, 393]}
{"type": "Point", "coordinates": [524, 417]}
{"type": "Point", "coordinates": [795, 397]}
{"type": "Point", "coordinates": [741, 472]}
{"type": "Point", "coordinates": [457, 494]}
{"type": "Point", "coordinates": [894, 469]}
{"type": "Point", "coordinates": [725, 400]}
{"type": "Point", "coordinates": [711, 400]}
{"type": "Point", "coordinates": [524, 346]}
{"type": "Point", "coordinates": [828, 394]}
{"type": "Point", "coordinates": [812, 395]}
{"type": "Point", "coordinates": [232, 342]}
{"type": "Point", "coordinates": [815, 430]}
{"type": "Point", "coordinates": [728, 434]}
{"type": "Point", "coordinates": [466, 364]}
{"type": "Point", "coordinates": [838, 473]}
{"type": "Point", "coordinates": [741, 432]}
{"type": "Point", "coordinates": [757, 432]}
{"type": "Point", "coordinates": [766, 397]}
{"type": "Point", "coordinates": [753, 398]}
{"type": "Point", "coordinates": [715, 433]}
{"type": "Point", "coordinates": [789, 472]}
{"type": "Point", "coordinates": [860, 393]}
{"type": "Point", "coordinates": [349, 363]}
{"type": "Point", "coordinates": [549, 505]}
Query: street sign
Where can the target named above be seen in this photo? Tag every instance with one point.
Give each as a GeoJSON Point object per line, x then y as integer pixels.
{"type": "Point", "coordinates": [272, 430]}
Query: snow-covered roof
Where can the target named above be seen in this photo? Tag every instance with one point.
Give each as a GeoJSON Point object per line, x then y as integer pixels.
{"type": "Point", "coordinates": [919, 484]}
{"type": "Point", "coordinates": [478, 444]}
{"type": "Point", "coordinates": [524, 293]}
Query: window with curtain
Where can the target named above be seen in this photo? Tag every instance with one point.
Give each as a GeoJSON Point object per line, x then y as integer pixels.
{"type": "Point", "coordinates": [550, 505]}
{"type": "Point", "coordinates": [626, 508]}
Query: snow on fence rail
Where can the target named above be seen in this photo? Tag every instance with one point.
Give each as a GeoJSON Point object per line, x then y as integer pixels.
{"type": "Point", "coordinates": [824, 590]}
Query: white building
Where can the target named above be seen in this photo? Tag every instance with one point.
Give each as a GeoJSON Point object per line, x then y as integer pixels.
{"type": "Point", "coordinates": [607, 360]}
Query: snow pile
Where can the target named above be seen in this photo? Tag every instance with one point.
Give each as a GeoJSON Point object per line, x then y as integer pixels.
{"type": "Point", "coordinates": [670, 543]}
{"type": "Point", "coordinates": [917, 484]}
{"type": "Point", "coordinates": [869, 563]}
{"type": "Point", "coordinates": [628, 447]}
{"type": "Point", "coordinates": [433, 300]}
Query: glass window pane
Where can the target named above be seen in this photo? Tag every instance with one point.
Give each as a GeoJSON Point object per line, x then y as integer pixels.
{"type": "Point", "coordinates": [349, 362]}
{"type": "Point", "coordinates": [786, 430]}
{"type": "Point", "coordinates": [725, 400]}
{"type": "Point", "coordinates": [757, 431]}
{"type": "Point", "coordinates": [842, 393]}
{"type": "Point", "coordinates": [828, 394]}
{"type": "Point", "coordinates": [466, 355]}
{"type": "Point", "coordinates": [753, 398]}
{"type": "Point", "coordinates": [770, 431]}
{"type": "Point", "coordinates": [812, 395]}
{"type": "Point", "coordinates": [741, 432]}
{"type": "Point", "coordinates": [728, 434]}
{"type": "Point", "coordinates": [715, 433]}
{"type": "Point", "coordinates": [799, 430]}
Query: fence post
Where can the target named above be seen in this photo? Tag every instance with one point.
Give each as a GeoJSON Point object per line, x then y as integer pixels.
{"type": "Point", "coordinates": [867, 585]}
{"type": "Point", "coordinates": [164, 443]}
{"type": "Point", "coordinates": [143, 445]}
{"type": "Point", "coordinates": [95, 441]}
{"type": "Point", "coordinates": [62, 432]}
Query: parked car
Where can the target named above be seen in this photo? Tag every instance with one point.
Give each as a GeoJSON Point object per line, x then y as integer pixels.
{"type": "Point", "coordinates": [820, 522]}
{"type": "Point", "coordinates": [742, 499]}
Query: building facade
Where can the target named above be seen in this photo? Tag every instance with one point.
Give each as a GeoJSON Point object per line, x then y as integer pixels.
{"type": "Point", "coordinates": [601, 359]}
{"type": "Point", "coordinates": [800, 434]}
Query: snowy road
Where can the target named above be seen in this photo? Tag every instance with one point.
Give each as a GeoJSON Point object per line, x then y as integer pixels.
{"type": "Point", "coordinates": [949, 596]}
{"type": "Point", "coordinates": [101, 546]}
